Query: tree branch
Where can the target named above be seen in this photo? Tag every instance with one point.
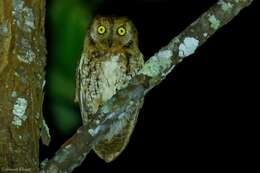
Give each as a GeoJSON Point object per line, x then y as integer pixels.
{"type": "Point", "coordinates": [73, 152]}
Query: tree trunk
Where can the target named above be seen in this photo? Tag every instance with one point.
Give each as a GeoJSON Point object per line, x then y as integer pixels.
{"type": "Point", "coordinates": [22, 78]}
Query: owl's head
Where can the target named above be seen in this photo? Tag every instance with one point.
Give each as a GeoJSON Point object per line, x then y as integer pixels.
{"type": "Point", "coordinates": [113, 32]}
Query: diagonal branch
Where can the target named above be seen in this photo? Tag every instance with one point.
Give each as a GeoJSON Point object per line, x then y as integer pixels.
{"type": "Point", "coordinates": [73, 152]}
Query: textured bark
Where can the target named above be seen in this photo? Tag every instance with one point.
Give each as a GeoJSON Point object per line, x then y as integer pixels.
{"type": "Point", "coordinates": [22, 62]}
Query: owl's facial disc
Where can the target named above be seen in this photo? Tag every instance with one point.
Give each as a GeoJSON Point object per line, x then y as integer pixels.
{"type": "Point", "coordinates": [113, 33]}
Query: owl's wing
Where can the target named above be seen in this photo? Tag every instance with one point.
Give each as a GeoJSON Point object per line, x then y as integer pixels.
{"type": "Point", "coordinates": [115, 141]}
{"type": "Point", "coordinates": [76, 99]}
{"type": "Point", "coordinates": [80, 95]}
{"type": "Point", "coordinates": [77, 76]}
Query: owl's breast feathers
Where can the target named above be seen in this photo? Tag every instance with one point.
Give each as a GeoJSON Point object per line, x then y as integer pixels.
{"type": "Point", "coordinates": [100, 78]}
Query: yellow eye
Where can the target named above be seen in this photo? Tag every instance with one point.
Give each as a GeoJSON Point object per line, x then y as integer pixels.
{"type": "Point", "coordinates": [121, 31]}
{"type": "Point", "coordinates": [101, 29]}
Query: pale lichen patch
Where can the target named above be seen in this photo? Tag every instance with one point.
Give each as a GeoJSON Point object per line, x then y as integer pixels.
{"type": "Point", "coordinates": [157, 64]}
{"type": "Point", "coordinates": [225, 6]}
{"type": "Point", "coordinates": [94, 132]}
{"type": "Point", "coordinates": [188, 47]}
{"type": "Point", "coordinates": [68, 146]}
{"type": "Point", "coordinates": [43, 84]}
{"type": "Point", "coordinates": [14, 94]}
{"type": "Point", "coordinates": [3, 29]}
{"type": "Point", "coordinates": [19, 111]}
{"type": "Point", "coordinates": [24, 51]}
{"type": "Point", "coordinates": [28, 58]}
{"type": "Point", "coordinates": [46, 128]}
{"type": "Point", "coordinates": [23, 16]}
{"type": "Point", "coordinates": [214, 22]}
{"type": "Point", "coordinates": [205, 34]}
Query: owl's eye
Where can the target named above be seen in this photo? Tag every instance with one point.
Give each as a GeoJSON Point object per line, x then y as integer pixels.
{"type": "Point", "coordinates": [101, 29]}
{"type": "Point", "coordinates": [121, 31]}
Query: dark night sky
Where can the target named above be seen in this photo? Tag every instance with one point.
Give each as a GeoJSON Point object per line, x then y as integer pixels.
{"type": "Point", "coordinates": [195, 118]}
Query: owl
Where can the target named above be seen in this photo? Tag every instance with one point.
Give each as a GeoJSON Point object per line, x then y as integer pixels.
{"type": "Point", "coordinates": [110, 58]}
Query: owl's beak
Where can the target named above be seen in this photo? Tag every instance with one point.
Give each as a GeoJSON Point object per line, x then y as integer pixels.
{"type": "Point", "coordinates": [110, 43]}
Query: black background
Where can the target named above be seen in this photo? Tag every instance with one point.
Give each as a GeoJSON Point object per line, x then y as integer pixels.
{"type": "Point", "coordinates": [196, 119]}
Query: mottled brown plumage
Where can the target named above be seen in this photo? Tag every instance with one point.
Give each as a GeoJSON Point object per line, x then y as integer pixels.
{"type": "Point", "coordinates": [110, 58]}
